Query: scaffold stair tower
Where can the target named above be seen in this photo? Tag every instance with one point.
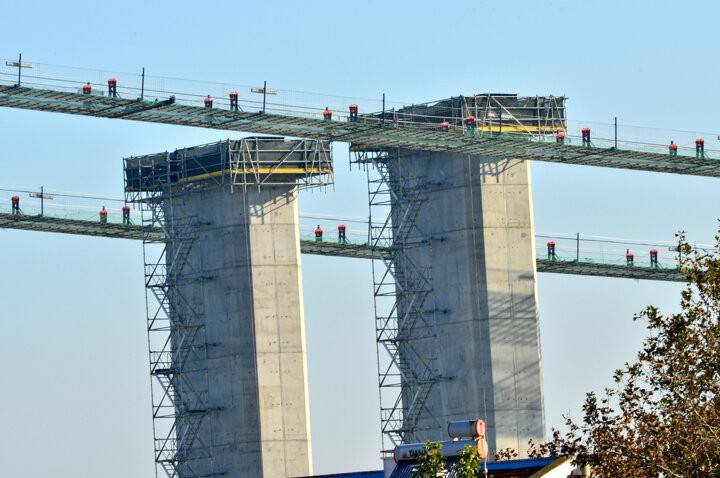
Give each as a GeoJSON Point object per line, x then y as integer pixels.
{"type": "Point", "coordinates": [403, 299]}
{"type": "Point", "coordinates": [176, 334]}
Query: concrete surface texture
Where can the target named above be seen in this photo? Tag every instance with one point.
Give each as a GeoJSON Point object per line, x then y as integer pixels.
{"type": "Point", "coordinates": [243, 376]}
{"type": "Point", "coordinates": [467, 299]}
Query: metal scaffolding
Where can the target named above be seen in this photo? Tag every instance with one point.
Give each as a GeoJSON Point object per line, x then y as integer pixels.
{"type": "Point", "coordinates": [403, 299]}
{"type": "Point", "coordinates": [174, 320]}
{"type": "Point", "coordinates": [253, 161]}
{"type": "Point", "coordinates": [269, 161]}
{"type": "Point", "coordinates": [492, 115]}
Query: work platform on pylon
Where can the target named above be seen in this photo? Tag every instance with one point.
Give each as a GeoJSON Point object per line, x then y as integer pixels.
{"type": "Point", "coordinates": [266, 161]}
{"type": "Point", "coordinates": [372, 132]}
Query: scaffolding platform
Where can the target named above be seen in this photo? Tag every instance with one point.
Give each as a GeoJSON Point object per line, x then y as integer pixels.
{"type": "Point", "coordinates": [321, 248]}
{"type": "Point", "coordinates": [254, 160]}
{"type": "Point", "coordinates": [610, 270]}
{"type": "Point", "coordinates": [494, 113]}
{"type": "Point", "coordinates": [369, 134]}
{"type": "Point", "coordinates": [74, 226]}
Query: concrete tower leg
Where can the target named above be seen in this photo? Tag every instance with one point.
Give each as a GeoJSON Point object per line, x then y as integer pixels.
{"type": "Point", "coordinates": [464, 224]}
{"type": "Point", "coordinates": [239, 275]}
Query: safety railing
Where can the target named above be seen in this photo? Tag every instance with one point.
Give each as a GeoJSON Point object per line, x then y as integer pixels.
{"type": "Point", "coordinates": [562, 247]}
{"type": "Point", "coordinates": [269, 99]}
{"type": "Point", "coordinates": [585, 248]}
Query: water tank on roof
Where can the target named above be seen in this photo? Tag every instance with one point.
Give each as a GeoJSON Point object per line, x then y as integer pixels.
{"type": "Point", "coordinates": [449, 448]}
{"type": "Point", "coordinates": [466, 429]}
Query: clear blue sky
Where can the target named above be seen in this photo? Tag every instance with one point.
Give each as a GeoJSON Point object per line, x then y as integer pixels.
{"type": "Point", "coordinates": [75, 386]}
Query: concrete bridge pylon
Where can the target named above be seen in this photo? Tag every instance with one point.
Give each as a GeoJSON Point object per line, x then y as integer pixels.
{"type": "Point", "coordinates": [463, 328]}
{"type": "Point", "coordinates": [225, 309]}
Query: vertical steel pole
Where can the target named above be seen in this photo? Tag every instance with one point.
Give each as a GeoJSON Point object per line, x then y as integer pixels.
{"type": "Point", "coordinates": [42, 202]}
{"type": "Point", "coordinates": [19, 67]}
{"type": "Point", "coordinates": [382, 120]}
{"type": "Point", "coordinates": [577, 248]}
{"type": "Point", "coordinates": [616, 132]}
{"type": "Point", "coordinates": [500, 119]}
{"type": "Point", "coordinates": [264, 94]}
{"type": "Point", "coordinates": [142, 86]}
{"type": "Point", "coordinates": [369, 231]}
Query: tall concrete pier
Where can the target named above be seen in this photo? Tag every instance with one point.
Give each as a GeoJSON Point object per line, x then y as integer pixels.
{"type": "Point", "coordinates": [455, 298]}
{"type": "Point", "coordinates": [235, 362]}
{"type": "Point", "coordinates": [463, 224]}
{"type": "Point", "coordinates": [257, 421]}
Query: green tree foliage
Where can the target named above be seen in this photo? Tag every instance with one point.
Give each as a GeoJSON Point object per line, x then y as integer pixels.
{"type": "Point", "coordinates": [556, 447]}
{"type": "Point", "coordinates": [505, 454]}
{"type": "Point", "coordinates": [662, 417]}
{"type": "Point", "coordinates": [432, 462]}
{"type": "Point", "coordinates": [469, 465]}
